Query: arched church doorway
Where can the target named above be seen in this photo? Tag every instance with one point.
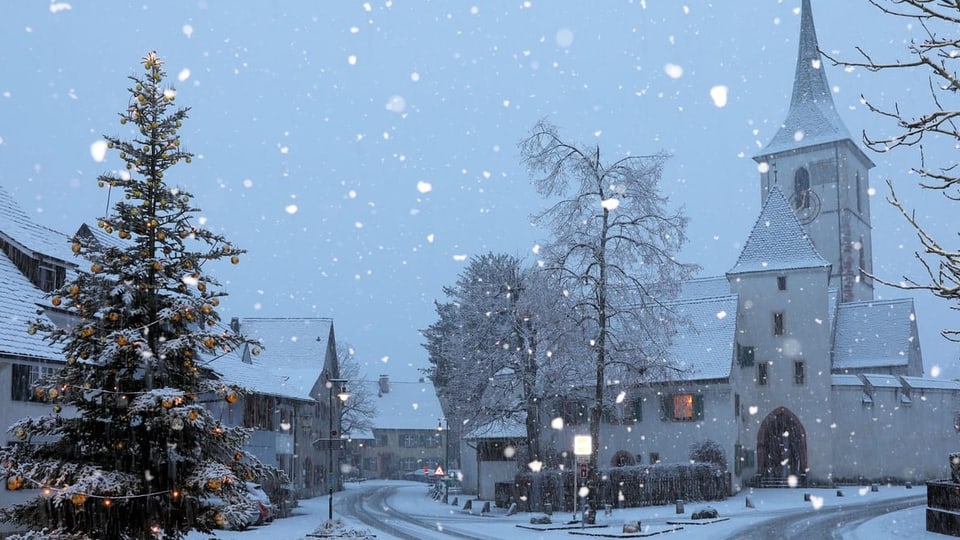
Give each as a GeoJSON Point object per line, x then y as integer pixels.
{"type": "Point", "coordinates": [781, 446]}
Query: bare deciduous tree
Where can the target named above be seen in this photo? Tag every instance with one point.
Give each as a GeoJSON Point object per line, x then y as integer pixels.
{"type": "Point", "coordinates": [921, 124]}
{"type": "Point", "coordinates": [358, 412]}
{"type": "Point", "coordinates": [613, 253]}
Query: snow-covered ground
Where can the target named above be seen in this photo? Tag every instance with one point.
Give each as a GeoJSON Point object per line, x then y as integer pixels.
{"type": "Point", "coordinates": [767, 503]}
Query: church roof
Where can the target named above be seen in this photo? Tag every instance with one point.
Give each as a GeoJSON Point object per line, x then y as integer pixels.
{"type": "Point", "coordinates": [874, 334]}
{"type": "Point", "coordinates": [704, 344]}
{"type": "Point", "coordinates": [812, 118]}
{"type": "Point", "coordinates": [777, 241]}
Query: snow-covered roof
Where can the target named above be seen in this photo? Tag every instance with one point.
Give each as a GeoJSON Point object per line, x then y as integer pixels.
{"type": "Point", "coordinates": [19, 300]}
{"type": "Point", "coordinates": [291, 358]}
{"type": "Point", "coordinates": [777, 241]}
{"type": "Point", "coordinates": [406, 405]}
{"type": "Point", "coordinates": [705, 287]}
{"type": "Point", "coordinates": [812, 118]}
{"type": "Point", "coordinates": [931, 383]}
{"type": "Point", "coordinates": [883, 380]}
{"type": "Point", "coordinates": [499, 428]}
{"type": "Point", "coordinates": [845, 380]}
{"type": "Point", "coordinates": [17, 226]}
{"type": "Point", "coordinates": [704, 344]}
{"type": "Point", "coordinates": [875, 333]}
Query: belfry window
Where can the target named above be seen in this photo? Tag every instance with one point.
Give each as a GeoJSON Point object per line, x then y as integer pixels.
{"type": "Point", "coordinates": [801, 189]}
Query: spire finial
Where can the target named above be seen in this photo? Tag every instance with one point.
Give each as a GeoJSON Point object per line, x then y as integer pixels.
{"type": "Point", "coordinates": [810, 81]}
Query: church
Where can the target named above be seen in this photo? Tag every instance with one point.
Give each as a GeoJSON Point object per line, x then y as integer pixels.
{"type": "Point", "coordinates": [791, 364]}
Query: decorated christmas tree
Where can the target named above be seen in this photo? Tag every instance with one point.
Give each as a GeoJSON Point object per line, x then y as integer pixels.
{"type": "Point", "coordinates": [130, 449]}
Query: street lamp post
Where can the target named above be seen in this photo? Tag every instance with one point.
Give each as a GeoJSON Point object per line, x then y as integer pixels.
{"type": "Point", "coordinates": [444, 428]}
{"type": "Point", "coordinates": [338, 387]}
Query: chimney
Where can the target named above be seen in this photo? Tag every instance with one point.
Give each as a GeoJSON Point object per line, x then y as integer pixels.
{"type": "Point", "coordinates": [384, 384]}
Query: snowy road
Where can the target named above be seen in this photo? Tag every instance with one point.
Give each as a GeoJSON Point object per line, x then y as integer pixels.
{"type": "Point", "coordinates": [372, 508]}
{"type": "Point", "coordinates": [834, 522]}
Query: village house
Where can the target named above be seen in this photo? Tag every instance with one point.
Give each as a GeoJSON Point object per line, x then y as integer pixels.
{"type": "Point", "coordinates": [409, 436]}
{"type": "Point", "coordinates": [288, 405]}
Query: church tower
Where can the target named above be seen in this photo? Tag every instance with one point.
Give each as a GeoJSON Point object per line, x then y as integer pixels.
{"type": "Point", "coordinates": [822, 172]}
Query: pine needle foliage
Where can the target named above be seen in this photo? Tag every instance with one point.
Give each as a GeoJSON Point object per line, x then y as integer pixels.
{"type": "Point", "coordinates": [131, 449]}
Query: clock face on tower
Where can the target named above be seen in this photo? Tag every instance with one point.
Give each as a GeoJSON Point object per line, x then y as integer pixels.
{"type": "Point", "coordinates": [806, 207]}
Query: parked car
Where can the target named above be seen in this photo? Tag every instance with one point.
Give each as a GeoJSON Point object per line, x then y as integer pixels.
{"type": "Point", "coordinates": [268, 511]}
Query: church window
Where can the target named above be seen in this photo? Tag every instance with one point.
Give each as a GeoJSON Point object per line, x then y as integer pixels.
{"type": "Point", "coordinates": [799, 372]}
{"type": "Point", "coordinates": [859, 189]}
{"type": "Point", "coordinates": [781, 283]}
{"type": "Point", "coordinates": [762, 373]}
{"type": "Point", "coordinates": [778, 328]}
{"type": "Point", "coordinates": [801, 189]}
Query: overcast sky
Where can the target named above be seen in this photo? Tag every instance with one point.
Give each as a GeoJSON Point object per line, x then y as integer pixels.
{"type": "Point", "coordinates": [362, 151]}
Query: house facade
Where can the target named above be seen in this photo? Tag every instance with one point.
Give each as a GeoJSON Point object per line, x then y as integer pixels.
{"type": "Point", "coordinates": [409, 433]}
{"type": "Point", "coordinates": [287, 404]}
{"type": "Point", "coordinates": [788, 361]}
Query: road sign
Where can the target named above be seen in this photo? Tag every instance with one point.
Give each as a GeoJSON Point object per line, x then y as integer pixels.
{"type": "Point", "coordinates": [439, 471]}
{"type": "Point", "coordinates": [583, 470]}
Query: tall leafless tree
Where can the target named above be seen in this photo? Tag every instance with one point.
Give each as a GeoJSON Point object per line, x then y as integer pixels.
{"type": "Point", "coordinates": [922, 125]}
{"type": "Point", "coordinates": [613, 253]}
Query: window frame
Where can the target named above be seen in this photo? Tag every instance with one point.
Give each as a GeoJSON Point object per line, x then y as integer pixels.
{"type": "Point", "coordinates": [799, 372]}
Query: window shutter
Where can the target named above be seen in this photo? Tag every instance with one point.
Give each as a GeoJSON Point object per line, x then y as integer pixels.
{"type": "Point", "coordinates": [697, 406]}
{"type": "Point", "coordinates": [666, 407]}
{"type": "Point", "coordinates": [638, 410]}
{"type": "Point", "coordinates": [20, 383]}
{"type": "Point", "coordinates": [745, 355]}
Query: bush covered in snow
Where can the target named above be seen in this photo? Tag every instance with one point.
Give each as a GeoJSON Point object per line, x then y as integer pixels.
{"type": "Point", "coordinates": [640, 485]}
{"type": "Point", "coordinates": [708, 451]}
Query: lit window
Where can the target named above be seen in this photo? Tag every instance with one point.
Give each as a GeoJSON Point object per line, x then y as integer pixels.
{"type": "Point", "coordinates": [683, 407]}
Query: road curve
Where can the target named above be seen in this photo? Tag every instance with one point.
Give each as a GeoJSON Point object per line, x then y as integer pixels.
{"type": "Point", "coordinates": [826, 523]}
{"type": "Point", "coordinates": [371, 506]}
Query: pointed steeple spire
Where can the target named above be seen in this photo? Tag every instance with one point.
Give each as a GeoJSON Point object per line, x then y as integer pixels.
{"type": "Point", "coordinates": [812, 118]}
{"type": "Point", "coordinates": [777, 241]}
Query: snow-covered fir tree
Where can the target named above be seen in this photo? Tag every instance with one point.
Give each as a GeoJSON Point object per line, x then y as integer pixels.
{"type": "Point", "coordinates": [128, 450]}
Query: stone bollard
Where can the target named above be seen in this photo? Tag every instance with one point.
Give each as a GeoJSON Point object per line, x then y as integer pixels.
{"type": "Point", "coordinates": [749, 502]}
{"type": "Point", "coordinates": [806, 497]}
{"type": "Point", "coordinates": [874, 487]}
{"type": "Point", "coordinates": [456, 501]}
{"type": "Point", "coordinates": [486, 507]}
{"type": "Point", "coordinates": [909, 485]}
{"type": "Point", "coordinates": [839, 493]}
{"type": "Point", "coordinates": [679, 506]}
{"type": "Point", "coordinates": [468, 505]}
{"type": "Point", "coordinates": [631, 527]}
{"type": "Point", "coordinates": [512, 510]}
